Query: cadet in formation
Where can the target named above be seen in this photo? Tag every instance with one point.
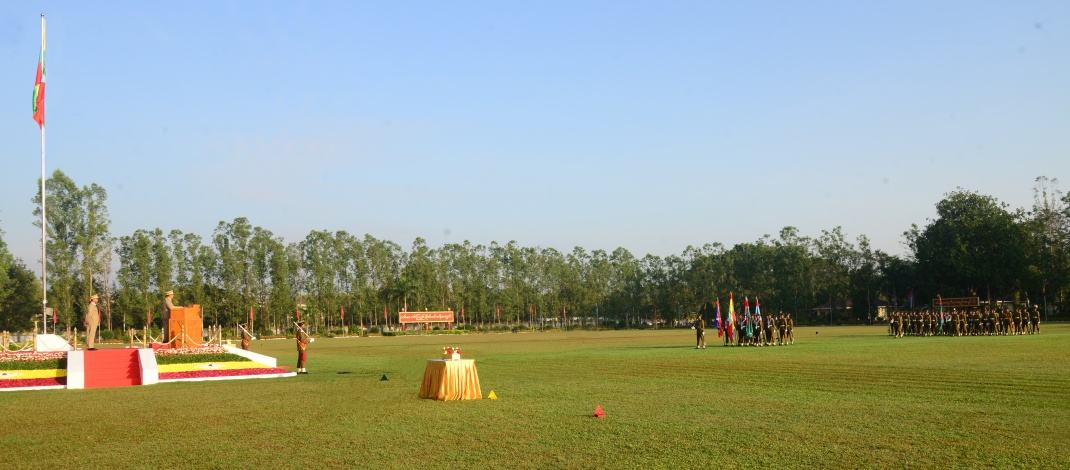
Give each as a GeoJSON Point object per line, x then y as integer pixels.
{"type": "Point", "coordinates": [767, 330]}
{"type": "Point", "coordinates": [967, 322]}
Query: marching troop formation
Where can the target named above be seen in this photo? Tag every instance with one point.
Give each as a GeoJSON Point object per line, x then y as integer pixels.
{"type": "Point", "coordinates": [969, 322]}
{"type": "Point", "coordinates": [758, 330]}
{"type": "Point", "coordinates": [746, 329]}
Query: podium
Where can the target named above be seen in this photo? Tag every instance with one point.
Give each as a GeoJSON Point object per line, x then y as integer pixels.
{"type": "Point", "coordinates": [190, 319]}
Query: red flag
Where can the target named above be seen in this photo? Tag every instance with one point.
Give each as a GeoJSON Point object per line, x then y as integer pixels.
{"type": "Point", "coordinates": [563, 312]}
{"type": "Point", "coordinates": [148, 317]}
{"type": "Point", "coordinates": [343, 314]}
{"type": "Point", "coordinates": [250, 315]}
{"type": "Point", "coordinates": [298, 310]}
{"type": "Point", "coordinates": [499, 310]}
{"type": "Point", "coordinates": [462, 312]}
{"type": "Point", "coordinates": [39, 83]}
{"type": "Point", "coordinates": [384, 313]}
{"type": "Point", "coordinates": [55, 316]}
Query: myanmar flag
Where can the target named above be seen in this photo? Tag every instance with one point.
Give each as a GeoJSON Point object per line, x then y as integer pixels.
{"type": "Point", "coordinates": [731, 322]}
{"type": "Point", "coordinates": [39, 85]}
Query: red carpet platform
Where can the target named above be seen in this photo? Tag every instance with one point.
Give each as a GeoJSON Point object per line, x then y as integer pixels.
{"type": "Point", "coordinates": [106, 368]}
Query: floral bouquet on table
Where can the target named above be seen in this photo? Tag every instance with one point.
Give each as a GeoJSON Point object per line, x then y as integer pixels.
{"type": "Point", "coordinates": [451, 353]}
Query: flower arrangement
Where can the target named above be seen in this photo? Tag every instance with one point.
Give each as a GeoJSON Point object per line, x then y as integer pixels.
{"type": "Point", "coordinates": [33, 369]}
{"type": "Point", "coordinates": [190, 351]}
{"type": "Point", "coordinates": [39, 382]}
{"type": "Point", "coordinates": [452, 353]}
{"type": "Point", "coordinates": [200, 374]}
{"type": "Point", "coordinates": [31, 357]}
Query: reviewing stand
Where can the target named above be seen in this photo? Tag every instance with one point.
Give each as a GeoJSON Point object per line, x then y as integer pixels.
{"type": "Point", "coordinates": [184, 327]}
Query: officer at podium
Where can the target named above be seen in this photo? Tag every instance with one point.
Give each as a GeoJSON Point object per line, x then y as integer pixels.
{"type": "Point", "coordinates": [167, 306]}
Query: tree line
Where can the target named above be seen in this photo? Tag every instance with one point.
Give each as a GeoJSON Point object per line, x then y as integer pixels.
{"type": "Point", "coordinates": [976, 246]}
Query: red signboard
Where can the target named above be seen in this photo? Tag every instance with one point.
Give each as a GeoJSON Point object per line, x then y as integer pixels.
{"type": "Point", "coordinates": [425, 317]}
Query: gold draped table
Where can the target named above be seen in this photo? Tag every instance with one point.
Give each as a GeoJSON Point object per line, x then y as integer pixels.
{"type": "Point", "coordinates": [451, 380]}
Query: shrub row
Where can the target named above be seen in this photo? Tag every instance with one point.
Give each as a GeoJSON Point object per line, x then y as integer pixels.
{"type": "Point", "coordinates": [197, 358]}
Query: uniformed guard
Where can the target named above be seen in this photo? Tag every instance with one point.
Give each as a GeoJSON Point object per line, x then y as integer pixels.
{"type": "Point", "coordinates": [791, 330]}
{"type": "Point", "coordinates": [92, 321]}
{"type": "Point", "coordinates": [700, 333]}
{"type": "Point", "coordinates": [245, 337]}
{"type": "Point", "coordinates": [302, 344]}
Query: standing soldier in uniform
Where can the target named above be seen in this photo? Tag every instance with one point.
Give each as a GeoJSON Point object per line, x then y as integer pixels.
{"type": "Point", "coordinates": [700, 333]}
{"type": "Point", "coordinates": [302, 343]}
{"type": "Point", "coordinates": [789, 329]}
{"type": "Point", "coordinates": [92, 321]}
{"type": "Point", "coordinates": [245, 337]}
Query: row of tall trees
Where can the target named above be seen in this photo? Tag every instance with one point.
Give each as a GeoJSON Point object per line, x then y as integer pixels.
{"type": "Point", "coordinates": [974, 246]}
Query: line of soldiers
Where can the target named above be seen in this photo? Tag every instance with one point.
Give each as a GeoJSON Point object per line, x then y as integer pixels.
{"type": "Point", "coordinates": [969, 322]}
{"type": "Point", "coordinates": [758, 330]}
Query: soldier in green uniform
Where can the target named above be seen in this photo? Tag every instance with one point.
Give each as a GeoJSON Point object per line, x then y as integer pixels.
{"type": "Point", "coordinates": [92, 321]}
{"type": "Point", "coordinates": [740, 332]}
{"type": "Point", "coordinates": [791, 330]}
{"type": "Point", "coordinates": [700, 333]}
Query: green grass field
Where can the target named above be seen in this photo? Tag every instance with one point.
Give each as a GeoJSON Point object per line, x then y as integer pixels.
{"type": "Point", "coordinates": [847, 397]}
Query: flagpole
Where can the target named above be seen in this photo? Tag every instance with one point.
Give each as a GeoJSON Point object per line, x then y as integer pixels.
{"type": "Point", "coordinates": [44, 230]}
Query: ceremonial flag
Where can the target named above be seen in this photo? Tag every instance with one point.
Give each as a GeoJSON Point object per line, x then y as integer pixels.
{"type": "Point", "coordinates": [462, 312]}
{"type": "Point", "coordinates": [499, 309]}
{"type": "Point", "coordinates": [910, 298]}
{"type": "Point", "coordinates": [39, 84]}
{"type": "Point", "coordinates": [298, 311]}
{"type": "Point", "coordinates": [384, 313]}
{"type": "Point", "coordinates": [746, 317]}
{"type": "Point", "coordinates": [758, 313]}
{"type": "Point", "coordinates": [148, 317]}
{"type": "Point", "coordinates": [940, 300]}
{"type": "Point", "coordinates": [342, 313]}
{"type": "Point", "coordinates": [250, 315]}
{"type": "Point", "coordinates": [55, 316]}
{"type": "Point", "coordinates": [731, 323]}
{"type": "Point", "coordinates": [717, 319]}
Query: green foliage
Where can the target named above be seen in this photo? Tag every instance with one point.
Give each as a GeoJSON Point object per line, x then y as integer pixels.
{"type": "Point", "coordinates": [107, 335]}
{"type": "Point", "coordinates": [34, 365]}
{"type": "Point", "coordinates": [198, 358]}
{"type": "Point", "coordinates": [975, 246]}
{"type": "Point", "coordinates": [21, 301]}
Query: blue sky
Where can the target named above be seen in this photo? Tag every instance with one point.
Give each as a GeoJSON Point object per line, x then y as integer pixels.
{"type": "Point", "coordinates": [645, 125]}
